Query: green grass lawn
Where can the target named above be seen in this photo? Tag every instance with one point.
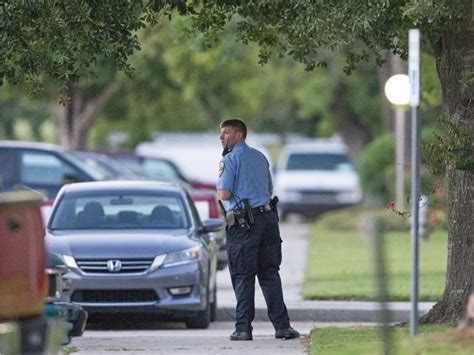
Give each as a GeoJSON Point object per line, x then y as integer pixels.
{"type": "Point", "coordinates": [341, 265]}
{"type": "Point", "coordinates": [368, 340]}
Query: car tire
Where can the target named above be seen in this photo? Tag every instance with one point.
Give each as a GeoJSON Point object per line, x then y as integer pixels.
{"type": "Point", "coordinates": [79, 324]}
{"type": "Point", "coordinates": [202, 319]}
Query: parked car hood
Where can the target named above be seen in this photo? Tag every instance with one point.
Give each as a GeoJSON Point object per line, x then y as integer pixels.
{"type": "Point", "coordinates": [326, 180]}
{"type": "Point", "coordinates": [118, 244]}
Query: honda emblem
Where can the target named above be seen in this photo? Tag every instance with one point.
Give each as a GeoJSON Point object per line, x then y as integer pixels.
{"type": "Point", "coordinates": [114, 265]}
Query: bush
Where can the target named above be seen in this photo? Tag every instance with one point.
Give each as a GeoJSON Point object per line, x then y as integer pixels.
{"type": "Point", "coordinates": [374, 165]}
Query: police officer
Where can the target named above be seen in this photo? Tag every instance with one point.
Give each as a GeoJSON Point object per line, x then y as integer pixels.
{"type": "Point", "coordinates": [253, 236]}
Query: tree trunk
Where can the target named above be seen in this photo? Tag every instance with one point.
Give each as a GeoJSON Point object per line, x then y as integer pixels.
{"type": "Point", "coordinates": [352, 130]}
{"type": "Point", "coordinates": [88, 116]}
{"type": "Point", "coordinates": [455, 62]}
{"type": "Point", "coordinates": [79, 115]}
{"type": "Point", "coordinates": [66, 115]}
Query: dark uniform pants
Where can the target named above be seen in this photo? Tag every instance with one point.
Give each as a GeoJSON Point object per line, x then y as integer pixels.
{"type": "Point", "coordinates": [257, 252]}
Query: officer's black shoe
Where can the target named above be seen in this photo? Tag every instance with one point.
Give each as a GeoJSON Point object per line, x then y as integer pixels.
{"type": "Point", "coordinates": [288, 333]}
{"type": "Point", "coordinates": [241, 336]}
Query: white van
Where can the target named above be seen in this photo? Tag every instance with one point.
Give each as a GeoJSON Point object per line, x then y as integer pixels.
{"type": "Point", "coordinates": [314, 177]}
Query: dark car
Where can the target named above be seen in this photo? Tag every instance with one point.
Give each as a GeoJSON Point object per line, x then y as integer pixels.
{"type": "Point", "coordinates": [42, 167]}
{"type": "Point", "coordinates": [136, 247]}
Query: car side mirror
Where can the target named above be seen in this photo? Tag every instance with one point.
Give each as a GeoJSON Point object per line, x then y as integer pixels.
{"type": "Point", "coordinates": [211, 225]}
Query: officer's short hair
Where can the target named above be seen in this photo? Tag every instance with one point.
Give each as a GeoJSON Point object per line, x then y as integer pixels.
{"type": "Point", "coordinates": [237, 125]}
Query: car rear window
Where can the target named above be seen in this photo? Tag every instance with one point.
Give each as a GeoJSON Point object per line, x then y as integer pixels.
{"type": "Point", "coordinates": [120, 211]}
{"type": "Point", "coordinates": [318, 161]}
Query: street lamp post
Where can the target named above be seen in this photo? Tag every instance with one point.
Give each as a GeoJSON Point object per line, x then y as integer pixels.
{"type": "Point", "coordinates": [414, 73]}
{"type": "Point", "coordinates": [397, 90]}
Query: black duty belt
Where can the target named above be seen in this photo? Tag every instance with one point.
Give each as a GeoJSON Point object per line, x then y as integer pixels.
{"type": "Point", "coordinates": [261, 209]}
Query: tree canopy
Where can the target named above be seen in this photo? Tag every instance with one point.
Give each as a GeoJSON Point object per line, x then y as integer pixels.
{"type": "Point", "coordinates": [63, 39]}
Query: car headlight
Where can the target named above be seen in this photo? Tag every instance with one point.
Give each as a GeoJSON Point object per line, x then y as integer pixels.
{"type": "Point", "coordinates": [70, 261]}
{"type": "Point", "coordinates": [182, 257]}
{"type": "Point", "coordinates": [157, 262]}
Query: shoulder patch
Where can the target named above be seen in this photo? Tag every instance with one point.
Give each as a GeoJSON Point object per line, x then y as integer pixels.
{"type": "Point", "coordinates": [221, 167]}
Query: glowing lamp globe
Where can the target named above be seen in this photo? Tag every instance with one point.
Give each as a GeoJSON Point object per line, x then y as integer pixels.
{"type": "Point", "coordinates": [397, 89]}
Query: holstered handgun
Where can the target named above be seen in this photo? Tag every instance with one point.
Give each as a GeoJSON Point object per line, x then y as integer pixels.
{"type": "Point", "coordinates": [273, 205]}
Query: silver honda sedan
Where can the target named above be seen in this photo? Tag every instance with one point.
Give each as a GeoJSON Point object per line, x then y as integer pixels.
{"type": "Point", "coordinates": [136, 247]}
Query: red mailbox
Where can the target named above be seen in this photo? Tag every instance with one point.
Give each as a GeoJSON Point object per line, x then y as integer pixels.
{"type": "Point", "coordinates": [23, 282]}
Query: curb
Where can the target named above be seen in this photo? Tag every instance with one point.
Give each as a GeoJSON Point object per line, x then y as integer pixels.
{"type": "Point", "coordinates": [365, 313]}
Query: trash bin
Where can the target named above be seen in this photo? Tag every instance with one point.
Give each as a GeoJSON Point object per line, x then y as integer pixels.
{"type": "Point", "coordinates": [23, 282]}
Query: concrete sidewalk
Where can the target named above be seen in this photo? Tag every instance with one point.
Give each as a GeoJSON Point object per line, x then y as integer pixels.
{"type": "Point", "coordinates": [295, 247]}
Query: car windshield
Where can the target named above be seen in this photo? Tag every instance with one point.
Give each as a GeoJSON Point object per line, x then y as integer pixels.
{"type": "Point", "coordinates": [160, 170]}
{"type": "Point", "coordinates": [319, 161]}
{"type": "Point", "coordinates": [110, 168]}
{"type": "Point", "coordinates": [117, 210]}
{"type": "Point", "coordinates": [96, 174]}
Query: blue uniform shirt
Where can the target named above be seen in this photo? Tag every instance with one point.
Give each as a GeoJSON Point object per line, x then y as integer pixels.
{"type": "Point", "coordinates": [245, 173]}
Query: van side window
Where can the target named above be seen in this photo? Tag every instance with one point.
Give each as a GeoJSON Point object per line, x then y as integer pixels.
{"type": "Point", "coordinates": [43, 168]}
